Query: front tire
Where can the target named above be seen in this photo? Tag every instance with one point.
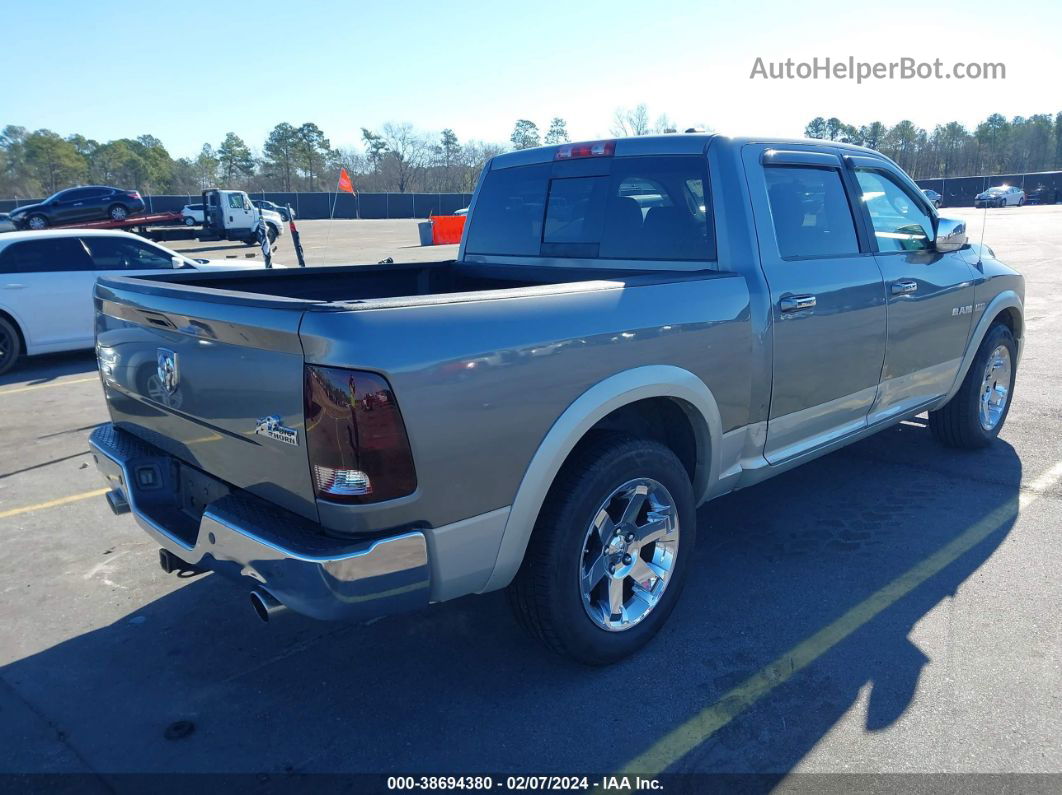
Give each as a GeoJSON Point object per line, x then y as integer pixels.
{"type": "Point", "coordinates": [974, 417]}
{"type": "Point", "coordinates": [10, 345]}
{"type": "Point", "coordinates": [610, 551]}
{"type": "Point", "coordinates": [37, 222]}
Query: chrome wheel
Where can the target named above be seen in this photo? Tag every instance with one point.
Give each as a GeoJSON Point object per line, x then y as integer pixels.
{"type": "Point", "coordinates": [995, 387]}
{"type": "Point", "coordinates": [629, 554]}
{"type": "Point", "coordinates": [37, 222]}
{"type": "Point", "coordinates": [119, 213]}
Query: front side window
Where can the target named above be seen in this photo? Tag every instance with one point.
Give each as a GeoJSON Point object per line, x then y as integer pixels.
{"type": "Point", "coordinates": [119, 253]}
{"type": "Point", "coordinates": [900, 223]}
{"type": "Point", "coordinates": [235, 201]}
{"type": "Point", "coordinates": [811, 213]}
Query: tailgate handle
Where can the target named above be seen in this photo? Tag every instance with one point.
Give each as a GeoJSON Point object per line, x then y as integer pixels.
{"type": "Point", "coordinates": [159, 320]}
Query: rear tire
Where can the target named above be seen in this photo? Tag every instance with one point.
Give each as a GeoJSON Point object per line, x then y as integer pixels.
{"type": "Point", "coordinates": [10, 345]}
{"type": "Point", "coordinates": [189, 221]}
{"type": "Point", "coordinates": [118, 212]}
{"type": "Point", "coordinates": [618, 501]}
{"type": "Point", "coordinates": [974, 417]}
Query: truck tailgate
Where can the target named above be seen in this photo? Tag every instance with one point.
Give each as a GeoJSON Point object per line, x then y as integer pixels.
{"type": "Point", "coordinates": [216, 383]}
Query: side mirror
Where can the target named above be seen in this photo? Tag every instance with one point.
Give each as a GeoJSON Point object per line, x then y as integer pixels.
{"type": "Point", "coordinates": [177, 262]}
{"type": "Point", "coordinates": [951, 235]}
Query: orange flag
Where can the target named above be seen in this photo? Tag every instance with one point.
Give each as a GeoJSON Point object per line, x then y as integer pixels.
{"type": "Point", "coordinates": [344, 182]}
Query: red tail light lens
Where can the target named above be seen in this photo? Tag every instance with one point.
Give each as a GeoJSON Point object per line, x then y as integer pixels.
{"type": "Point", "coordinates": [134, 194]}
{"type": "Point", "coordinates": [357, 442]}
{"type": "Point", "coordinates": [589, 149]}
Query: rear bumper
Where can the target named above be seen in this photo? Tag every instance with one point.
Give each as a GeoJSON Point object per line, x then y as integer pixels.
{"type": "Point", "coordinates": [250, 540]}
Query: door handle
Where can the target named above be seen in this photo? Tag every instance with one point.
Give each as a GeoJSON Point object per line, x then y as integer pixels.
{"type": "Point", "coordinates": [797, 303]}
{"type": "Point", "coordinates": [904, 287]}
{"type": "Point", "coordinates": [13, 286]}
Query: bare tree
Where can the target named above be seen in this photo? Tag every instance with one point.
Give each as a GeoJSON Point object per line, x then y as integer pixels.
{"type": "Point", "coordinates": [407, 151]}
{"type": "Point", "coordinates": [633, 121]}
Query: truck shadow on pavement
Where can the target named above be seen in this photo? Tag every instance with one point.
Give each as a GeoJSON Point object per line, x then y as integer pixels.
{"type": "Point", "coordinates": [42, 369]}
{"type": "Point", "coordinates": [458, 688]}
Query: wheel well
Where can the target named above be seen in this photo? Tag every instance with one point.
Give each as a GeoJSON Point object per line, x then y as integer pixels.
{"type": "Point", "coordinates": [1011, 318]}
{"type": "Point", "coordinates": [15, 325]}
{"type": "Point", "coordinates": [664, 420]}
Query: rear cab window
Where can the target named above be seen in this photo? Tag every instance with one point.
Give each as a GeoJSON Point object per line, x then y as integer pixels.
{"type": "Point", "coordinates": [623, 208]}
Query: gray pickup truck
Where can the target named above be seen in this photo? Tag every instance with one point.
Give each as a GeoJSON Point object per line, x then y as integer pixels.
{"type": "Point", "coordinates": [631, 328]}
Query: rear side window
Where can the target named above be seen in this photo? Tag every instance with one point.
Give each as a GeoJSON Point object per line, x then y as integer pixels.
{"type": "Point", "coordinates": [811, 213]}
{"type": "Point", "coordinates": [53, 255]}
{"type": "Point", "coordinates": [643, 208]}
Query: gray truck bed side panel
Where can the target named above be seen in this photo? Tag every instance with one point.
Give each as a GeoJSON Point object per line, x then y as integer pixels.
{"type": "Point", "coordinates": [504, 370]}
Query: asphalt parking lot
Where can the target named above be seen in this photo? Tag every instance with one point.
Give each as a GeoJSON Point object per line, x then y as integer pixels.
{"type": "Point", "coordinates": [334, 243]}
{"type": "Point", "coordinates": [890, 608]}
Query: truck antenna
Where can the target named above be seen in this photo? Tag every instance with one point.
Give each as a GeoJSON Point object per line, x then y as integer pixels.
{"type": "Point", "coordinates": [984, 223]}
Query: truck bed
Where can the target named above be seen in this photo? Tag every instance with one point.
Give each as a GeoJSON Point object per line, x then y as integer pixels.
{"type": "Point", "coordinates": [378, 286]}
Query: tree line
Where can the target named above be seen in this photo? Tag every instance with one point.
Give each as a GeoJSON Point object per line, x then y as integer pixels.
{"type": "Point", "coordinates": [397, 157]}
{"type": "Point", "coordinates": [995, 146]}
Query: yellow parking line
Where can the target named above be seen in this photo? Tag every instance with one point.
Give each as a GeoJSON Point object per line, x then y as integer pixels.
{"type": "Point", "coordinates": [52, 503]}
{"type": "Point", "coordinates": [18, 389]}
{"type": "Point", "coordinates": [684, 738]}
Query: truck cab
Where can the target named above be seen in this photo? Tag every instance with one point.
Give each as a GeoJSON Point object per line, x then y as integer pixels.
{"type": "Point", "coordinates": [230, 215]}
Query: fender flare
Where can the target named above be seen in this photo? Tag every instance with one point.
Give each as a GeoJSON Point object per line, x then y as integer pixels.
{"type": "Point", "coordinates": [593, 405]}
{"type": "Point", "coordinates": [1007, 299]}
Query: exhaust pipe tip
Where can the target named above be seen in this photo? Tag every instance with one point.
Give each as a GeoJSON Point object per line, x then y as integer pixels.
{"type": "Point", "coordinates": [266, 606]}
{"type": "Point", "coordinates": [117, 501]}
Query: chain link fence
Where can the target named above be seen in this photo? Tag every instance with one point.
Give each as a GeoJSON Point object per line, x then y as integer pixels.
{"type": "Point", "coordinates": [1044, 187]}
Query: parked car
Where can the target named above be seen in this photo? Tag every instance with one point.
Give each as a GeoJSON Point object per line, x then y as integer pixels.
{"type": "Point", "coordinates": [280, 210]}
{"type": "Point", "coordinates": [1001, 196]}
{"type": "Point", "coordinates": [1042, 193]}
{"type": "Point", "coordinates": [192, 214]}
{"type": "Point", "coordinates": [46, 280]}
{"type": "Point", "coordinates": [79, 205]}
{"type": "Point", "coordinates": [934, 197]}
{"type": "Point", "coordinates": [544, 413]}
{"type": "Point", "coordinates": [6, 224]}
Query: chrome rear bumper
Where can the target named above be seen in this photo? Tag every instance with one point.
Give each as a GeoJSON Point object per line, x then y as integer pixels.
{"type": "Point", "coordinates": [250, 540]}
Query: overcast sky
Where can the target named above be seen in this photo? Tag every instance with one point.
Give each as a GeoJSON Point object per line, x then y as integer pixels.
{"type": "Point", "coordinates": [190, 73]}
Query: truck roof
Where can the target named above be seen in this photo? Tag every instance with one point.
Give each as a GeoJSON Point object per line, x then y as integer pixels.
{"type": "Point", "coordinates": [665, 144]}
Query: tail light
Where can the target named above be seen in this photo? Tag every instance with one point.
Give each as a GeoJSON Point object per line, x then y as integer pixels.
{"type": "Point", "coordinates": [134, 194]}
{"type": "Point", "coordinates": [589, 149]}
{"type": "Point", "coordinates": [358, 448]}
